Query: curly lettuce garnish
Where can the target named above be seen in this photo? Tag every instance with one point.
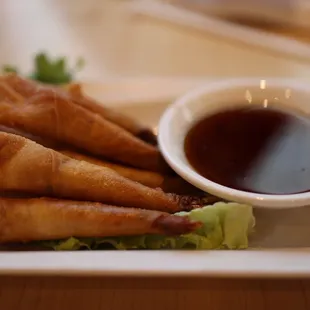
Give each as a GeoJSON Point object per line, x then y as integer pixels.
{"type": "Point", "coordinates": [225, 226]}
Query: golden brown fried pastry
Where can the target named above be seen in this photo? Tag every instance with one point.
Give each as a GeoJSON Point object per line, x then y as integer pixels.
{"type": "Point", "coordinates": [28, 88]}
{"type": "Point", "coordinates": [26, 166]}
{"type": "Point", "coordinates": [24, 220]}
{"type": "Point", "coordinates": [7, 93]}
{"type": "Point", "coordinates": [53, 116]}
{"type": "Point", "coordinates": [169, 184]}
{"type": "Point", "coordinates": [45, 142]}
{"type": "Point", "coordinates": [123, 121]}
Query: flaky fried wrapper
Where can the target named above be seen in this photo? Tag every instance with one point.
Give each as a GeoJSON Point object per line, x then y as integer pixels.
{"type": "Point", "coordinates": [28, 167]}
{"type": "Point", "coordinates": [16, 87]}
{"type": "Point", "coordinates": [24, 220]}
{"type": "Point", "coordinates": [55, 117]}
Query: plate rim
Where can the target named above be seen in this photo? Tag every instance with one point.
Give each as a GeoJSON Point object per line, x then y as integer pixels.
{"type": "Point", "coordinates": [282, 263]}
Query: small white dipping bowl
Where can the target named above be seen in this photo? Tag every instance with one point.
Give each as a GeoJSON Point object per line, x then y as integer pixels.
{"type": "Point", "coordinates": [192, 107]}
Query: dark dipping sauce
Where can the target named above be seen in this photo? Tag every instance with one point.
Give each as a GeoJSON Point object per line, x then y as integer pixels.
{"type": "Point", "coordinates": [258, 150]}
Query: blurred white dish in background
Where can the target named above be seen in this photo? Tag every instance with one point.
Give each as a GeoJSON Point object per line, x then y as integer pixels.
{"type": "Point", "coordinates": [286, 12]}
{"type": "Point", "coordinates": [233, 33]}
{"type": "Point", "coordinates": [125, 44]}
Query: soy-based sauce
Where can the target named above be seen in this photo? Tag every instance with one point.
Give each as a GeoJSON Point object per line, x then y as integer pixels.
{"type": "Point", "coordinates": [259, 150]}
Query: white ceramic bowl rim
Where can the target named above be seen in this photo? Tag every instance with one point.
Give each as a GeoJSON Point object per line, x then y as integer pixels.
{"type": "Point", "coordinates": [189, 174]}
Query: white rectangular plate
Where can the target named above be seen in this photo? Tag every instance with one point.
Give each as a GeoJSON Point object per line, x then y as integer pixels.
{"type": "Point", "coordinates": [280, 246]}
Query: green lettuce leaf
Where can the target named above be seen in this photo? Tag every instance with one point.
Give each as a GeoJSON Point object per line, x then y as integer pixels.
{"type": "Point", "coordinates": [225, 226]}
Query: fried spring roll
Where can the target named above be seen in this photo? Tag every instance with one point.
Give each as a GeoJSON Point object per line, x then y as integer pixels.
{"type": "Point", "coordinates": [56, 175]}
{"type": "Point", "coordinates": [27, 88]}
{"type": "Point", "coordinates": [52, 116]}
{"type": "Point", "coordinates": [45, 142]}
{"type": "Point", "coordinates": [167, 183]}
{"type": "Point", "coordinates": [24, 87]}
{"type": "Point", "coordinates": [23, 220]}
{"type": "Point", "coordinates": [123, 121]}
{"type": "Point", "coordinates": [7, 93]}
{"type": "Point", "coordinates": [148, 178]}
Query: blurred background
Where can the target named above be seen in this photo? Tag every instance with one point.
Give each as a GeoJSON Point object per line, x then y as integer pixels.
{"type": "Point", "coordinates": [152, 38]}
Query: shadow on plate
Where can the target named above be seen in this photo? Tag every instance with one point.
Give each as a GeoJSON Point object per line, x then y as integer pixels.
{"type": "Point", "coordinates": [281, 228]}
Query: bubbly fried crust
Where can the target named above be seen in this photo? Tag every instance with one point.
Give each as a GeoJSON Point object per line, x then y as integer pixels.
{"type": "Point", "coordinates": [27, 88]}
{"type": "Point", "coordinates": [26, 166]}
{"type": "Point", "coordinates": [168, 183]}
{"type": "Point", "coordinates": [55, 117]}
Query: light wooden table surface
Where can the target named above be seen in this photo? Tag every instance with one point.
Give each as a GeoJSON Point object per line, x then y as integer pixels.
{"type": "Point", "coordinates": [115, 45]}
